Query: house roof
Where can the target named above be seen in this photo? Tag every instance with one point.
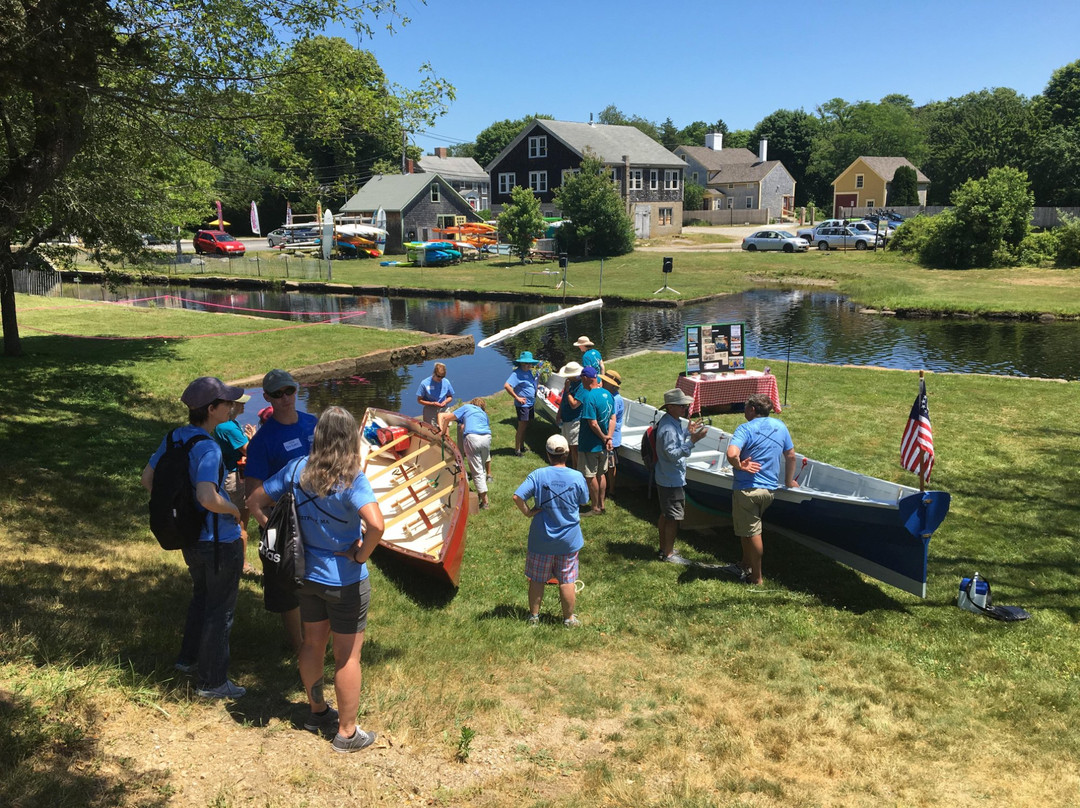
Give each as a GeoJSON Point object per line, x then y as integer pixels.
{"type": "Point", "coordinates": [714, 159]}
{"type": "Point", "coordinates": [607, 141]}
{"type": "Point", "coordinates": [393, 192]}
{"type": "Point", "coordinates": [742, 172]}
{"type": "Point", "coordinates": [453, 168]}
{"type": "Point", "coordinates": [885, 167]}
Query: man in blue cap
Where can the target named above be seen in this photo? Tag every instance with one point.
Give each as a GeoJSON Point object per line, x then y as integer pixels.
{"type": "Point", "coordinates": [521, 385]}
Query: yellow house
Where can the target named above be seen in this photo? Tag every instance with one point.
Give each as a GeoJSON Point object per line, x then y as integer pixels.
{"type": "Point", "coordinates": [865, 183]}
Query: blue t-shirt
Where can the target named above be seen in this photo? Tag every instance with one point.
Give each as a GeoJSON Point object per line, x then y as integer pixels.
{"type": "Point", "coordinates": [591, 359]}
{"type": "Point", "coordinates": [231, 439]}
{"type": "Point", "coordinates": [432, 389]}
{"type": "Point", "coordinates": [596, 405]}
{"type": "Point", "coordinates": [763, 440]}
{"type": "Point", "coordinates": [620, 411]}
{"type": "Point", "coordinates": [473, 420]}
{"type": "Point", "coordinates": [275, 444]}
{"type": "Point", "coordinates": [204, 466]}
{"type": "Point", "coordinates": [523, 383]}
{"type": "Point", "coordinates": [567, 413]}
{"type": "Point", "coordinates": [559, 492]}
{"type": "Point", "coordinates": [328, 525]}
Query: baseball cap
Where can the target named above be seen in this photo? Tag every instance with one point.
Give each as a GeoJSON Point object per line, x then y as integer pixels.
{"type": "Point", "coordinates": [276, 379]}
{"type": "Point", "coordinates": [557, 445]}
{"type": "Point", "coordinates": [208, 389]}
{"type": "Point", "coordinates": [590, 372]}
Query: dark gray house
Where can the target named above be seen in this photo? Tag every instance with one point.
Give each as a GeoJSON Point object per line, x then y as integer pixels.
{"type": "Point", "coordinates": [465, 175]}
{"type": "Point", "coordinates": [415, 205]}
{"type": "Point", "coordinates": [738, 179]}
{"type": "Point", "coordinates": [648, 176]}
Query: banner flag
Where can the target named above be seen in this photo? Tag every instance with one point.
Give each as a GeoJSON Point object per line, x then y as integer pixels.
{"type": "Point", "coordinates": [255, 219]}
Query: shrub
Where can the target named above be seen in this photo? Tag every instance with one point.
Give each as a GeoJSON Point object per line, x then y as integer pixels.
{"type": "Point", "coordinates": [1038, 249]}
{"type": "Point", "coordinates": [1068, 238]}
{"type": "Point", "coordinates": [911, 237]}
{"type": "Point", "coordinates": [904, 189]}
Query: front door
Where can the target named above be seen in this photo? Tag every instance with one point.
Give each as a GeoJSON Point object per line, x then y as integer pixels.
{"type": "Point", "coordinates": [642, 220]}
{"type": "Point", "coordinates": [844, 201]}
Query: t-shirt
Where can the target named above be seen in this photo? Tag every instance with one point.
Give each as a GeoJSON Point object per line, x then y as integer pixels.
{"type": "Point", "coordinates": [204, 466]}
{"type": "Point", "coordinates": [620, 411]}
{"type": "Point", "coordinates": [591, 359]}
{"type": "Point", "coordinates": [567, 413]}
{"type": "Point", "coordinates": [764, 440]}
{"type": "Point", "coordinates": [432, 389]}
{"type": "Point", "coordinates": [559, 492]}
{"type": "Point", "coordinates": [596, 405]}
{"type": "Point", "coordinates": [523, 383]}
{"type": "Point", "coordinates": [231, 439]}
{"type": "Point", "coordinates": [328, 525]}
{"type": "Point", "coordinates": [275, 444]}
{"type": "Point", "coordinates": [473, 420]}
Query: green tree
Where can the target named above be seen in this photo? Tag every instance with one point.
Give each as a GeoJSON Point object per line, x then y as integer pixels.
{"type": "Point", "coordinates": [613, 116]}
{"type": "Point", "coordinates": [521, 220]}
{"type": "Point", "coordinates": [904, 189]}
{"type": "Point", "coordinates": [669, 135]}
{"type": "Point", "coordinates": [739, 139]}
{"type": "Point", "coordinates": [597, 220]}
{"type": "Point", "coordinates": [497, 137]}
{"type": "Point", "coordinates": [693, 196]}
{"type": "Point", "coordinates": [1062, 95]}
{"type": "Point", "coordinates": [791, 136]}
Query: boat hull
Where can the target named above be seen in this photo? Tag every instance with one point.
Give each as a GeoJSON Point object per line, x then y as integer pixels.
{"type": "Point", "coordinates": [418, 478]}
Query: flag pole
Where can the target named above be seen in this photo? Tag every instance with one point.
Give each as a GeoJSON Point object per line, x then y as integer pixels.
{"type": "Point", "coordinates": [922, 454]}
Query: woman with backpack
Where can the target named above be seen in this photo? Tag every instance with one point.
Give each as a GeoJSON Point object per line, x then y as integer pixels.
{"type": "Point", "coordinates": [340, 525]}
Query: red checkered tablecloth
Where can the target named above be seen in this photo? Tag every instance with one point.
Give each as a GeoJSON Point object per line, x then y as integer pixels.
{"type": "Point", "coordinates": [728, 388]}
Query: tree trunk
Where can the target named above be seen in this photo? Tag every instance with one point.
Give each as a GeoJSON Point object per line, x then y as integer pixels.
{"type": "Point", "coordinates": [12, 343]}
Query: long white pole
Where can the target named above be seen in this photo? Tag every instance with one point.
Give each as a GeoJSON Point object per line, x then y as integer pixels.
{"type": "Point", "coordinates": [561, 314]}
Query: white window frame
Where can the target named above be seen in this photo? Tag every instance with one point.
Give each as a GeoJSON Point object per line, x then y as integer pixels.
{"type": "Point", "coordinates": [671, 179]}
{"type": "Point", "coordinates": [666, 216]}
{"type": "Point", "coordinates": [654, 179]}
{"type": "Point", "coordinates": [434, 192]}
{"type": "Point", "coordinates": [507, 181]}
{"type": "Point", "coordinates": [869, 203]}
{"type": "Point", "coordinates": [538, 182]}
{"type": "Point", "coordinates": [537, 146]}
{"type": "Point", "coordinates": [860, 180]}
{"type": "Point", "coordinates": [749, 203]}
{"type": "Point", "coordinates": [636, 179]}
{"type": "Point", "coordinates": [731, 202]}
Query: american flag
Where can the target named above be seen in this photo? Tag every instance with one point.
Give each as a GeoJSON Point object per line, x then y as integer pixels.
{"type": "Point", "coordinates": [917, 445]}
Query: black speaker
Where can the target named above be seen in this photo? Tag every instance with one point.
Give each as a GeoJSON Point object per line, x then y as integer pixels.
{"type": "Point", "coordinates": [563, 261]}
{"type": "Point", "coordinates": [667, 263]}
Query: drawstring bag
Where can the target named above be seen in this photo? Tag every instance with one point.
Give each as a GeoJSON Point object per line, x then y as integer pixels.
{"type": "Point", "coordinates": [974, 596]}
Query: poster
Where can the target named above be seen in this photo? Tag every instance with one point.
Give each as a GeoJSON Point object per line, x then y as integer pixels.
{"type": "Point", "coordinates": [715, 348]}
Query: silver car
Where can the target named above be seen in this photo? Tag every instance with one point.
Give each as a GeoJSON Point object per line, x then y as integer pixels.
{"type": "Point", "coordinates": [775, 240]}
{"type": "Point", "coordinates": [827, 238]}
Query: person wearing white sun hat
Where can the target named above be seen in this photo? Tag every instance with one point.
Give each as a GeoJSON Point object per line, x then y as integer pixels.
{"type": "Point", "coordinates": [590, 357]}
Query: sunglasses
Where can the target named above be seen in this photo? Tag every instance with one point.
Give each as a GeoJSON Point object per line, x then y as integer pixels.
{"type": "Point", "coordinates": [284, 391]}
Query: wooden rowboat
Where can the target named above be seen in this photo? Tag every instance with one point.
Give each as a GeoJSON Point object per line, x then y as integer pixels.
{"type": "Point", "coordinates": [880, 528]}
{"type": "Point", "coordinates": [423, 491]}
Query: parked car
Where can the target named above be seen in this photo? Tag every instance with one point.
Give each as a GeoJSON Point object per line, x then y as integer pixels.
{"type": "Point", "coordinates": [217, 243]}
{"type": "Point", "coordinates": [775, 240]}
{"type": "Point", "coordinates": [827, 238]}
{"type": "Point", "coordinates": [291, 234]}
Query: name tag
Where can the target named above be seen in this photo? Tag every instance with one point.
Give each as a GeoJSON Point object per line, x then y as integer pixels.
{"type": "Point", "coordinates": [292, 445]}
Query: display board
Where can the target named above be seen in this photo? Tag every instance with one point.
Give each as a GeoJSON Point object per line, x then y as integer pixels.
{"type": "Point", "coordinates": [715, 348]}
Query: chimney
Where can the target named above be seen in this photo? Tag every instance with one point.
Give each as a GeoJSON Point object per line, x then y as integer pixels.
{"type": "Point", "coordinates": [441, 151]}
{"type": "Point", "coordinates": [409, 166]}
{"type": "Point", "coordinates": [714, 141]}
{"type": "Point", "coordinates": [590, 119]}
{"type": "Point", "coordinates": [763, 150]}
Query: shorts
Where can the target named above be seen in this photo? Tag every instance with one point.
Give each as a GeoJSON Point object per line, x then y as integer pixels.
{"type": "Point", "coordinates": [570, 430]}
{"type": "Point", "coordinates": [594, 463]}
{"type": "Point", "coordinates": [672, 502]}
{"type": "Point", "coordinates": [234, 487]}
{"type": "Point", "coordinates": [344, 606]}
{"type": "Point", "coordinates": [542, 568]}
{"type": "Point", "coordinates": [747, 506]}
{"type": "Point", "coordinates": [277, 598]}
{"type": "Point", "coordinates": [524, 413]}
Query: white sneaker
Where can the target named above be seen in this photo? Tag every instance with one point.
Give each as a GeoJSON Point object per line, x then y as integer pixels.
{"type": "Point", "coordinates": [225, 691]}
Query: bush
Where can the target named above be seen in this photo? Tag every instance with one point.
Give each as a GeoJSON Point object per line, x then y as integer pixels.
{"type": "Point", "coordinates": [1038, 249]}
{"type": "Point", "coordinates": [911, 237]}
{"type": "Point", "coordinates": [1068, 242]}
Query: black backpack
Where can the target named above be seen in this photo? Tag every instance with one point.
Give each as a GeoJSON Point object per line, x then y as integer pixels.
{"type": "Point", "coordinates": [281, 547]}
{"type": "Point", "coordinates": [176, 517]}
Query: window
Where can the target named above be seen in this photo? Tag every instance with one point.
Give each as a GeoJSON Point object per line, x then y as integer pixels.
{"type": "Point", "coordinates": [749, 203]}
{"type": "Point", "coordinates": [858, 180]}
{"type": "Point", "coordinates": [434, 192]}
{"type": "Point", "coordinates": [665, 216]}
{"type": "Point", "coordinates": [507, 182]}
{"type": "Point", "coordinates": [637, 179]}
{"type": "Point", "coordinates": [567, 173]}
{"type": "Point", "coordinates": [869, 203]}
{"type": "Point", "coordinates": [671, 180]}
{"type": "Point", "coordinates": [654, 179]}
{"type": "Point", "coordinates": [694, 176]}
{"type": "Point", "coordinates": [730, 202]}
{"type": "Point", "coordinates": [538, 181]}
{"type": "Point", "coordinates": [537, 146]}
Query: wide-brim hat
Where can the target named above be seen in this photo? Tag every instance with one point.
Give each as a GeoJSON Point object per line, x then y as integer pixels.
{"type": "Point", "coordinates": [677, 396]}
{"type": "Point", "coordinates": [208, 389]}
{"type": "Point", "coordinates": [612, 377]}
{"type": "Point", "coordinates": [583, 342]}
{"type": "Point", "coordinates": [526, 358]}
{"type": "Point", "coordinates": [571, 370]}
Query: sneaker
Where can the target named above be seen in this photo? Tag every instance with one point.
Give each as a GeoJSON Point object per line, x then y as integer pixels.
{"type": "Point", "coordinates": [675, 558]}
{"type": "Point", "coordinates": [359, 740]}
{"type": "Point", "coordinates": [323, 723]}
{"type": "Point", "coordinates": [186, 667]}
{"type": "Point", "coordinates": [518, 453]}
{"type": "Point", "coordinates": [225, 691]}
{"type": "Point", "coordinates": [490, 478]}
{"type": "Point", "coordinates": [736, 571]}
{"type": "Point", "coordinates": [572, 622]}
{"type": "Point", "coordinates": [532, 620]}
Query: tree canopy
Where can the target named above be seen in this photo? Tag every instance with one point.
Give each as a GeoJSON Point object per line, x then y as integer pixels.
{"type": "Point", "coordinates": [521, 220]}
{"type": "Point", "coordinates": [598, 223]}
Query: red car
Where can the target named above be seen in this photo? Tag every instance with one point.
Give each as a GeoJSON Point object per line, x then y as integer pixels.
{"type": "Point", "coordinates": [218, 243]}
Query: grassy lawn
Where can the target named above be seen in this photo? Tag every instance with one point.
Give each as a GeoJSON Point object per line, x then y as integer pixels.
{"type": "Point", "coordinates": [820, 688]}
{"type": "Point", "coordinates": [878, 280]}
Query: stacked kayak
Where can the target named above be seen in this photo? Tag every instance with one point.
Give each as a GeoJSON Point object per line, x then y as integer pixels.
{"type": "Point", "coordinates": [428, 254]}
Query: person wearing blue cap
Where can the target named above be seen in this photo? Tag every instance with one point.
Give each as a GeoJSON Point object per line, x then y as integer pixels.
{"type": "Point", "coordinates": [521, 385]}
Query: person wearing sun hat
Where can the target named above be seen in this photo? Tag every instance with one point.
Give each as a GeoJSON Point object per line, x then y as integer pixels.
{"type": "Point", "coordinates": [216, 559]}
{"type": "Point", "coordinates": [674, 442]}
{"type": "Point", "coordinates": [590, 357]}
{"type": "Point", "coordinates": [612, 382]}
{"type": "Point", "coordinates": [521, 385]}
{"type": "Point", "coordinates": [570, 408]}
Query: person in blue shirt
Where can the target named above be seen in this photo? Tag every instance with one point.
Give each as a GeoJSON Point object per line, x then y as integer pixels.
{"type": "Point", "coordinates": [340, 525]}
{"type": "Point", "coordinates": [674, 442]}
{"type": "Point", "coordinates": [435, 394]}
{"type": "Point", "coordinates": [555, 537]}
{"type": "Point", "coordinates": [521, 385]}
{"type": "Point", "coordinates": [474, 429]}
{"type": "Point", "coordinates": [754, 452]}
{"type": "Point", "coordinates": [612, 382]}
{"type": "Point", "coordinates": [595, 437]}
{"type": "Point", "coordinates": [590, 357]}
{"type": "Point", "coordinates": [233, 440]}
{"type": "Point", "coordinates": [215, 561]}
{"type": "Point", "coordinates": [285, 435]}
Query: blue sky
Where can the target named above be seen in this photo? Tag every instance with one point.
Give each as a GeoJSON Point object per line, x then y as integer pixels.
{"type": "Point", "coordinates": [706, 60]}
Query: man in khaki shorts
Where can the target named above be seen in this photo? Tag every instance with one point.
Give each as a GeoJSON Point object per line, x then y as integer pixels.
{"type": "Point", "coordinates": [595, 436]}
{"type": "Point", "coordinates": [754, 453]}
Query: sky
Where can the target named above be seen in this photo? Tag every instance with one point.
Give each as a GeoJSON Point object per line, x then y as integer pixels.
{"type": "Point", "coordinates": [694, 60]}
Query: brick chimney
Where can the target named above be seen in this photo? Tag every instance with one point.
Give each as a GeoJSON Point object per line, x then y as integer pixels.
{"type": "Point", "coordinates": [409, 166]}
{"type": "Point", "coordinates": [442, 151]}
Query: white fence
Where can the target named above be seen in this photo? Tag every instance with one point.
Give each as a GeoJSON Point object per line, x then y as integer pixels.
{"type": "Point", "coordinates": [730, 216]}
{"type": "Point", "coordinates": [1040, 217]}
